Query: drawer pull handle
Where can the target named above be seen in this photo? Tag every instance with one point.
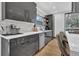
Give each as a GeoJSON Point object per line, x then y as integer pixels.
{"type": "Point", "coordinates": [22, 43]}
{"type": "Point", "coordinates": [28, 42]}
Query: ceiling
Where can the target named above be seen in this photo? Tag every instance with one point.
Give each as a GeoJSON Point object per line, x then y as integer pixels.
{"type": "Point", "coordinates": [45, 8]}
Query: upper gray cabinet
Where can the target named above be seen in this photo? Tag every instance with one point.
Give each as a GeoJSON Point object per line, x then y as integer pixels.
{"type": "Point", "coordinates": [0, 11]}
{"type": "Point", "coordinates": [21, 11]}
{"type": "Point", "coordinates": [75, 7]}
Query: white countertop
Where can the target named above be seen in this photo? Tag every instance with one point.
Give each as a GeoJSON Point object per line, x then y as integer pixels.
{"type": "Point", "coordinates": [73, 28]}
{"type": "Point", "coordinates": [23, 34]}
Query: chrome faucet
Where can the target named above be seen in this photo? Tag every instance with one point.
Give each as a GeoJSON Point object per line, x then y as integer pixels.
{"type": "Point", "coordinates": [2, 28]}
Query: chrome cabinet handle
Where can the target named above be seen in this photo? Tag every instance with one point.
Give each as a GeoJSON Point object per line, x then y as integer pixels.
{"type": "Point", "coordinates": [28, 42]}
{"type": "Point", "coordinates": [22, 43]}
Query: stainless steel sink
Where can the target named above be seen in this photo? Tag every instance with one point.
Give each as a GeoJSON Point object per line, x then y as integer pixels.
{"type": "Point", "coordinates": [11, 34]}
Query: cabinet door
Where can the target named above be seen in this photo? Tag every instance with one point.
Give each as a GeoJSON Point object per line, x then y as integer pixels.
{"type": "Point", "coordinates": [26, 46]}
{"type": "Point", "coordinates": [33, 12]}
{"type": "Point", "coordinates": [21, 11]}
{"type": "Point", "coordinates": [51, 22]}
{"type": "Point", "coordinates": [75, 6]}
{"type": "Point", "coordinates": [0, 20]}
{"type": "Point", "coordinates": [0, 11]}
{"type": "Point", "coordinates": [41, 40]}
{"type": "Point", "coordinates": [48, 37]}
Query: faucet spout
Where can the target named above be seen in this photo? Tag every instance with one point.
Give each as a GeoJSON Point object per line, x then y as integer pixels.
{"type": "Point", "coordinates": [2, 28]}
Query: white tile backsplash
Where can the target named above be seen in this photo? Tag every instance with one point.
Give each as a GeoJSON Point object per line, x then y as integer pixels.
{"type": "Point", "coordinates": [24, 26]}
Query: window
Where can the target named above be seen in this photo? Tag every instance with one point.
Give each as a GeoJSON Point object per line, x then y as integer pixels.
{"type": "Point", "coordinates": [72, 20]}
{"type": "Point", "coordinates": [39, 20]}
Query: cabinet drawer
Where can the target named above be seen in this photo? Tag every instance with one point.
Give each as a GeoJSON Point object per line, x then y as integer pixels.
{"type": "Point", "coordinates": [13, 43]}
{"type": "Point", "coordinates": [31, 38]}
{"type": "Point", "coordinates": [22, 40]}
{"type": "Point", "coordinates": [25, 46]}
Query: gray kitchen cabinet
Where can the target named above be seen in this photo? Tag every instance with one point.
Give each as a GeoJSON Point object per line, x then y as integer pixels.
{"type": "Point", "coordinates": [23, 46]}
{"type": "Point", "coordinates": [44, 38]}
{"type": "Point", "coordinates": [48, 37]}
{"type": "Point", "coordinates": [0, 20]}
{"type": "Point", "coordinates": [41, 40]}
{"type": "Point", "coordinates": [51, 23]}
{"type": "Point", "coordinates": [0, 11]}
{"type": "Point", "coordinates": [21, 11]}
{"type": "Point", "coordinates": [75, 7]}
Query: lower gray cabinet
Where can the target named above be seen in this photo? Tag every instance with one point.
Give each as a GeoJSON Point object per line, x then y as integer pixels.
{"type": "Point", "coordinates": [24, 46]}
{"type": "Point", "coordinates": [48, 37]}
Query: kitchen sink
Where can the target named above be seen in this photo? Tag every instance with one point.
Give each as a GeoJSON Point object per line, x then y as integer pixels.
{"type": "Point", "coordinates": [11, 34]}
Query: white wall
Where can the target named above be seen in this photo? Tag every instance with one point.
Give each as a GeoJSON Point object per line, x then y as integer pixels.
{"type": "Point", "coordinates": [59, 23]}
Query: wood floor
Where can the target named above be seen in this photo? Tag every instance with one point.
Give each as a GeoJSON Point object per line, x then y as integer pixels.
{"type": "Point", "coordinates": [51, 49]}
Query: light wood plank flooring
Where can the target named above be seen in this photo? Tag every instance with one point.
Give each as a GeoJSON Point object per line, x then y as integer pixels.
{"type": "Point", "coordinates": [51, 49]}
